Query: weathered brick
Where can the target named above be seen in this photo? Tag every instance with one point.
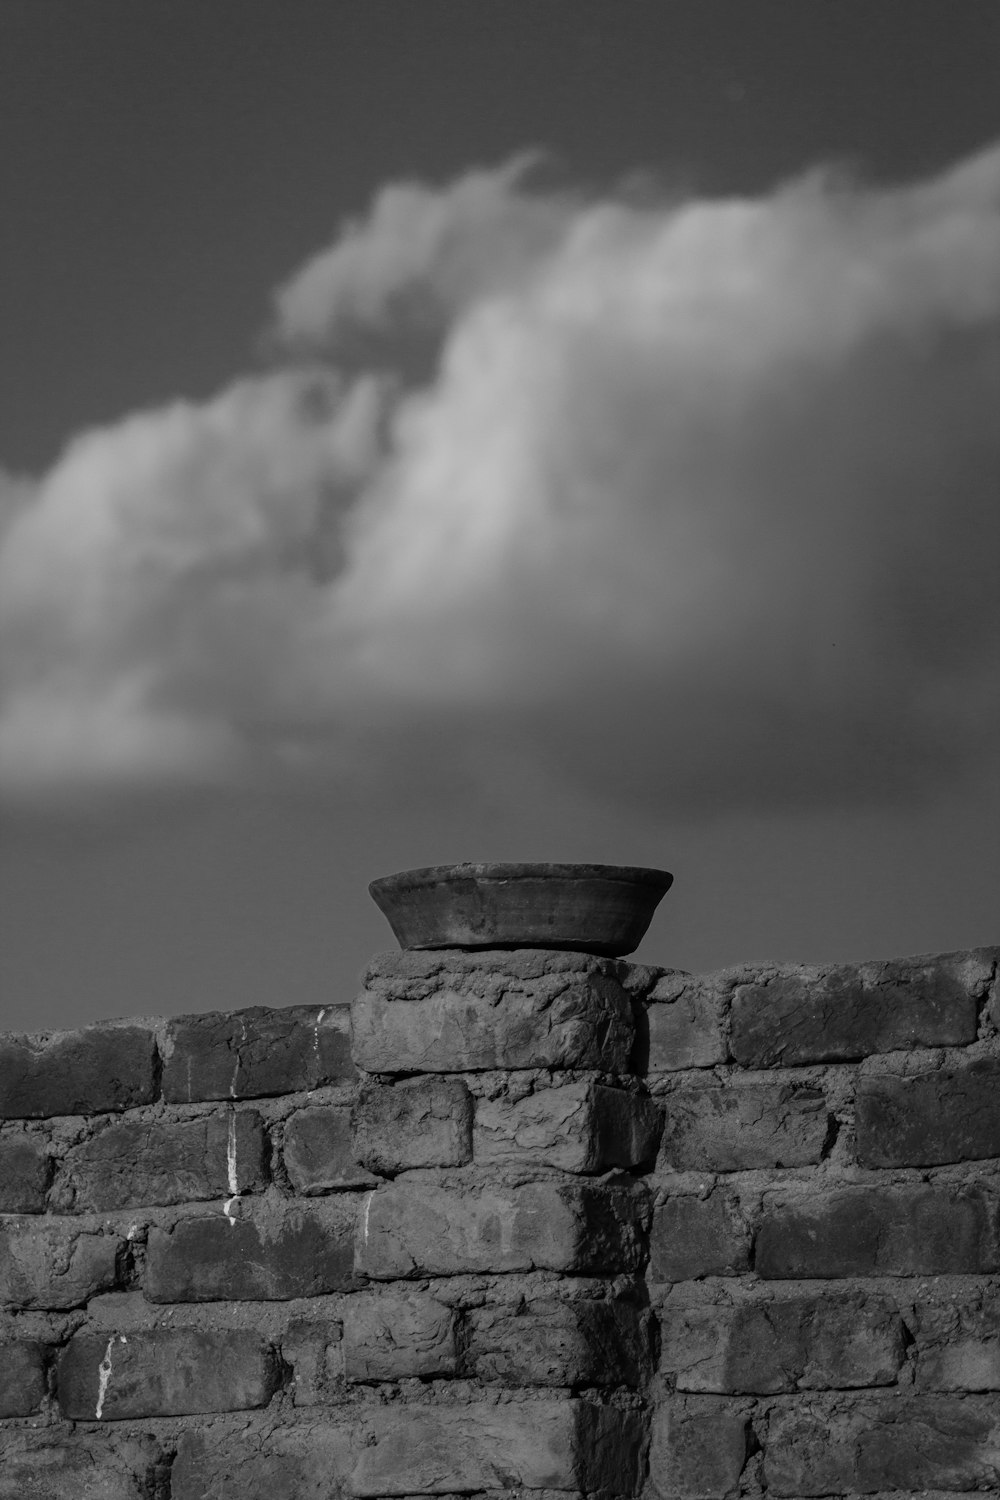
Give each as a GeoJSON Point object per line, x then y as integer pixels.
{"type": "Point", "coordinates": [136, 1163]}
{"type": "Point", "coordinates": [44, 1466]}
{"type": "Point", "coordinates": [947, 1115]}
{"type": "Point", "coordinates": [791, 1343]}
{"type": "Point", "coordinates": [455, 1012]}
{"type": "Point", "coordinates": [558, 1444]}
{"type": "Point", "coordinates": [49, 1265]}
{"type": "Point", "coordinates": [694, 1237]}
{"type": "Point", "coordinates": [740, 1126]}
{"type": "Point", "coordinates": [86, 1072]}
{"type": "Point", "coordinates": [247, 1054]}
{"type": "Point", "coordinates": [164, 1372]}
{"type": "Point", "coordinates": [958, 1342]}
{"type": "Point", "coordinates": [897, 1443]}
{"type": "Point", "coordinates": [310, 1461]}
{"type": "Point", "coordinates": [399, 1334]}
{"type": "Point", "coordinates": [579, 1126]}
{"type": "Point", "coordinates": [816, 1015]}
{"type": "Point", "coordinates": [417, 1229]}
{"type": "Point", "coordinates": [25, 1168]}
{"type": "Point", "coordinates": [302, 1252]}
{"type": "Point", "coordinates": [22, 1377]}
{"type": "Point", "coordinates": [909, 1230]}
{"type": "Point", "coordinates": [314, 1348]}
{"type": "Point", "coordinates": [685, 1020]}
{"type": "Point", "coordinates": [698, 1447]}
{"type": "Point", "coordinates": [551, 1341]}
{"type": "Point", "coordinates": [418, 1122]}
{"type": "Point", "coordinates": [319, 1153]}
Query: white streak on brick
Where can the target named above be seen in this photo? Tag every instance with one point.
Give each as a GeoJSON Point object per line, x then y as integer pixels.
{"type": "Point", "coordinates": [319, 1022]}
{"type": "Point", "coordinates": [364, 1217]}
{"type": "Point", "coordinates": [231, 1177]}
{"type": "Point", "coordinates": [236, 1066]}
{"type": "Point", "coordinates": [104, 1373]}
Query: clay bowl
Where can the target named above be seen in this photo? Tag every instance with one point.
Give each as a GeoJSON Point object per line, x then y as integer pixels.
{"type": "Point", "coordinates": [590, 908]}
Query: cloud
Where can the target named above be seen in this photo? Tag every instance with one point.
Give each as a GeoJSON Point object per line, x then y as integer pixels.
{"type": "Point", "coordinates": [694, 503]}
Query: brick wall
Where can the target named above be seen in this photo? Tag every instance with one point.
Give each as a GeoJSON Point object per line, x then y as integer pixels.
{"type": "Point", "coordinates": [524, 1221]}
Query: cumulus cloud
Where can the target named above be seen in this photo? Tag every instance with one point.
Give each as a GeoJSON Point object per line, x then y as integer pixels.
{"type": "Point", "coordinates": [695, 503]}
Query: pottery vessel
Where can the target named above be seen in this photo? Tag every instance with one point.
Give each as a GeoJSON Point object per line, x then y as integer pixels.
{"type": "Point", "coordinates": [603, 909]}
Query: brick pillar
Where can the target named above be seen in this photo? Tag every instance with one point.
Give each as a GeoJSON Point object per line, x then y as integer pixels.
{"type": "Point", "coordinates": [505, 1244]}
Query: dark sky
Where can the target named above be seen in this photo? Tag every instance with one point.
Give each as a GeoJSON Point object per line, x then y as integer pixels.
{"type": "Point", "coordinates": [164, 167]}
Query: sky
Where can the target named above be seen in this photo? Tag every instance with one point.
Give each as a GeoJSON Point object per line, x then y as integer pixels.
{"type": "Point", "coordinates": [436, 432]}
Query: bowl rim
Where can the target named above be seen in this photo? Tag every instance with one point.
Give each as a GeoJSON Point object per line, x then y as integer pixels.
{"type": "Point", "coordinates": [500, 872]}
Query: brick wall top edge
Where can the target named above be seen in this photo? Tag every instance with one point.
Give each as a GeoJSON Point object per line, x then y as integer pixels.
{"type": "Point", "coordinates": [866, 972]}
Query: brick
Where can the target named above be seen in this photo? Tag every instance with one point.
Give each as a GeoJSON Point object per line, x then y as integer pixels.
{"type": "Point", "coordinates": [685, 1018]}
{"type": "Point", "coordinates": [310, 1461]}
{"type": "Point", "coordinates": [841, 1014]}
{"type": "Point", "coordinates": [318, 1151]}
{"type": "Point", "coordinates": [45, 1466]}
{"type": "Point", "coordinates": [164, 1372]}
{"type": "Point", "coordinates": [958, 1343]}
{"type": "Point", "coordinates": [419, 1122]}
{"type": "Point", "coordinates": [791, 1343]}
{"type": "Point", "coordinates": [303, 1252]}
{"type": "Point", "coordinates": [83, 1072]}
{"type": "Point", "coordinates": [694, 1237]}
{"type": "Point", "coordinates": [698, 1447]}
{"type": "Point", "coordinates": [741, 1126]}
{"type": "Point", "coordinates": [551, 1341]}
{"type": "Point", "coordinates": [25, 1169]}
{"type": "Point", "coordinates": [533, 1445]}
{"type": "Point", "coordinates": [141, 1163]}
{"type": "Point", "coordinates": [247, 1054]}
{"type": "Point", "coordinates": [50, 1266]}
{"type": "Point", "coordinates": [398, 1335]}
{"type": "Point", "coordinates": [456, 1012]}
{"type": "Point", "coordinates": [898, 1443]}
{"type": "Point", "coordinates": [417, 1229]}
{"type": "Point", "coordinates": [579, 1127]}
{"type": "Point", "coordinates": [22, 1377]}
{"type": "Point", "coordinates": [911, 1230]}
{"type": "Point", "coordinates": [947, 1115]}
{"type": "Point", "coordinates": [314, 1348]}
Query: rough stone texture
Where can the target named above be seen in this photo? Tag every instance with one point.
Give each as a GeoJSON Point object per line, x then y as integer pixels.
{"type": "Point", "coordinates": [313, 1347]}
{"type": "Point", "coordinates": [910, 1230]}
{"type": "Point", "coordinates": [252, 1053]}
{"type": "Point", "coordinates": [418, 1229]}
{"type": "Point", "coordinates": [22, 1378]}
{"type": "Point", "coordinates": [456, 1012]}
{"type": "Point", "coordinates": [399, 1334]}
{"type": "Point", "coordinates": [685, 1022]}
{"type": "Point", "coordinates": [134, 1163]}
{"type": "Point", "coordinates": [950, 1114]}
{"type": "Point", "coordinates": [319, 1153]}
{"type": "Point", "coordinates": [300, 1252]}
{"type": "Point", "coordinates": [419, 1122]}
{"type": "Point", "coordinates": [698, 1447]}
{"type": "Point", "coordinates": [308, 1462]}
{"type": "Point", "coordinates": [839, 1014]}
{"type": "Point", "coordinates": [694, 1237]}
{"type": "Point", "coordinates": [958, 1342]}
{"type": "Point", "coordinates": [164, 1372]}
{"type": "Point", "coordinates": [25, 1169]}
{"type": "Point", "coordinates": [579, 1127]}
{"type": "Point", "coordinates": [741, 1126]}
{"type": "Point", "coordinates": [102, 1067]}
{"type": "Point", "coordinates": [549, 1341]}
{"type": "Point", "coordinates": [44, 1466]}
{"type": "Point", "coordinates": [50, 1265]}
{"type": "Point", "coordinates": [792, 1343]}
{"type": "Point", "coordinates": [914, 1443]}
{"type": "Point", "coordinates": [532, 1445]}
